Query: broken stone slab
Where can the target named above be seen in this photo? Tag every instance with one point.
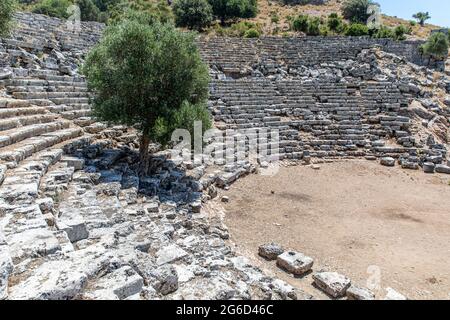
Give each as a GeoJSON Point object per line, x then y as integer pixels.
{"type": "Point", "coordinates": [295, 262]}
{"type": "Point", "coordinates": [123, 283]}
{"type": "Point", "coordinates": [196, 206]}
{"type": "Point", "coordinates": [270, 251]}
{"type": "Point", "coordinates": [32, 243]}
{"type": "Point", "coordinates": [359, 293]}
{"type": "Point", "coordinates": [72, 222]}
{"type": "Point", "coordinates": [394, 295]}
{"type": "Point", "coordinates": [6, 268]}
{"type": "Point", "coordinates": [169, 254]}
{"type": "Point", "coordinates": [440, 168]}
{"type": "Point", "coordinates": [332, 283]}
{"type": "Point", "coordinates": [76, 163]}
{"type": "Point", "coordinates": [152, 207]}
{"type": "Point", "coordinates": [165, 279]}
{"type": "Point", "coordinates": [62, 279]}
{"type": "Point", "coordinates": [387, 161]}
{"type": "Point", "coordinates": [429, 167]}
{"type": "Point", "coordinates": [45, 204]}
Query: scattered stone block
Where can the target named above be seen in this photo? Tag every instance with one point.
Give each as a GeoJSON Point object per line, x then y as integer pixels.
{"type": "Point", "coordinates": [429, 167]}
{"type": "Point", "coordinates": [169, 254]}
{"type": "Point", "coordinates": [440, 168]}
{"type": "Point", "coordinates": [165, 279]}
{"type": "Point", "coordinates": [358, 293]}
{"type": "Point", "coordinates": [270, 251]}
{"type": "Point", "coordinates": [123, 282]}
{"type": "Point", "coordinates": [295, 262]}
{"type": "Point", "coordinates": [76, 163]}
{"type": "Point", "coordinates": [387, 161]}
{"type": "Point", "coordinates": [196, 206]}
{"type": "Point", "coordinates": [332, 283]}
{"type": "Point", "coordinates": [225, 199]}
{"type": "Point", "coordinates": [394, 295]}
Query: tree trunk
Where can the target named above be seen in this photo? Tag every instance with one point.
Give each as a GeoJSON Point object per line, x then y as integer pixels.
{"type": "Point", "coordinates": [143, 154]}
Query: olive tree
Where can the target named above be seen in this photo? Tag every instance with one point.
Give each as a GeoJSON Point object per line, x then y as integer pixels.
{"type": "Point", "coordinates": [142, 75]}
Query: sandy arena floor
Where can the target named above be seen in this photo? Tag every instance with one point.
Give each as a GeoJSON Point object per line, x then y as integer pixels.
{"type": "Point", "coordinates": [358, 218]}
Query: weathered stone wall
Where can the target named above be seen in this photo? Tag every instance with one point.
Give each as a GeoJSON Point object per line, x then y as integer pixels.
{"type": "Point", "coordinates": [233, 55]}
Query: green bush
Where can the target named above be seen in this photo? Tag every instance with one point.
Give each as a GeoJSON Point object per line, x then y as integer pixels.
{"type": "Point", "coordinates": [357, 30]}
{"type": "Point", "coordinates": [436, 46]}
{"type": "Point", "coordinates": [412, 23]}
{"type": "Point", "coordinates": [239, 29]}
{"type": "Point", "coordinates": [7, 8]}
{"type": "Point", "coordinates": [300, 23]}
{"type": "Point", "coordinates": [400, 32]}
{"type": "Point", "coordinates": [251, 33]}
{"type": "Point", "coordinates": [53, 8]}
{"type": "Point", "coordinates": [142, 74]}
{"type": "Point", "coordinates": [383, 33]}
{"type": "Point", "coordinates": [335, 23]}
{"type": "Point", "coordinates": [158, 10]}
{"type": "Point", "coordinates": [357, 10]}
{"type": "Point", "coordinates": [232, 9]}
{"type": "Point", "coordinates": [184, 118]}
{"type": "Point", "coordinates": [313, 27]}
{"type": "Point", "coordinates": [194, 14]}
{"type": "Point", "coordinates": [89, 11]}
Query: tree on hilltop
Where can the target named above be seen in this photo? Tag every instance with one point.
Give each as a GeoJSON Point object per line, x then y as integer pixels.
{"type": "Point", "coordinates": [421, 17]}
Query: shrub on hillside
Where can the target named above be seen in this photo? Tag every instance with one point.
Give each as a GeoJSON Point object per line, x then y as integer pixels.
{"type": "Point", "coordinates": [7, 8]}
{"type": "Point", "coordinates": [400, 32]}
{"type": "Point", "coordinates": [313, 27]}
{"type": "Point", "coordinates": [335, 23]}
{"type": "Point", "coordinates": [437, 46]}
{"type": "Point", "coordinates": [194, 14]}
{"type": "Point", "coordinates": [142, 75]}
{"type": "Point", "coordinates": [232, 9]}
{"type": "Point", "coordinates": [383, 33]}
{"type": "Point", "coordinates": [357, 10]}
{"type": "Point", "coordinates": [300, 23]}
{"type": "Point", "coordinates": [53, 8]}
{"type": "Point", "coordinates": [251, 33]}
{"type": "Point", "coordinates": [88, 10]}
{"type": "Point", "coordinates": [157, 11]}
{"type": "Point", "coordinates": [357, 30]}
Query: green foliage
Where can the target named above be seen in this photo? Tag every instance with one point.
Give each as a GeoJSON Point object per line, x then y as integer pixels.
{"type": "Point", "coordinates": [300, 23]}
{"type": "Point", "coordinates": [232, 9]}
{"type": "Point", "coordinates": [88, 10]}
{"type": "Point", "coordinates": [357, 10]}
{"type": "Point", "coordinates": [184, 118]}
{"type": "Point", "coordinates": [436, 46]}
{"type": "Point", "coordinates": [194, 14]}
{"type": "Point", "coordinates": [142, 74]}
{"type": "Point", "coordinates": [158, 11]}
{"type": "Point", "coordinates": [313, 27]}
{"type": "Point", "coordinates": [53, 8]}
{"type": "Point", "coordinates": [104, 5]}
{"type": "Point", "coordinates": [238, 29]}
{"type": "Point", "coordinates": [251, 33]}
{"type": "Point", "coordinates": [7, 8]}
{"type": "Point", "coordinates": [384, 33]}
{"type": "Point", "coordinates": [274, 18]}
{"type": "Point", "coordinates": [357, 30]}
{"type": "Point", "coordinates": [335, 23]}
{"type": "Point", "coordinates": [421, 17]}
{"type": "Point", "coordinates": [400, 32]}
{"type": "Point", "coordinates": [412, 23]}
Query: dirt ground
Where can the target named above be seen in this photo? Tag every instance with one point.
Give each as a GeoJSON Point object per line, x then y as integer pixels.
{"type": "Point", "coordinates": [382, 227]}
